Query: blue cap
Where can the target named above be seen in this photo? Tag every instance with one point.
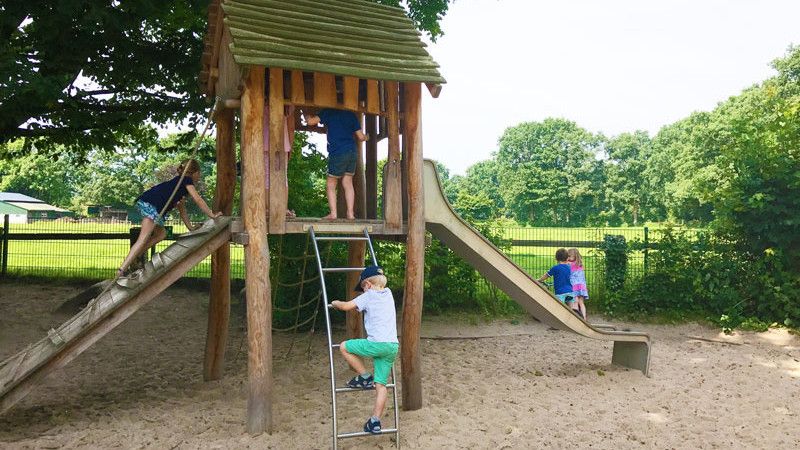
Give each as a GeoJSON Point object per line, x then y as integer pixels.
{"type": "Point", "coordinates": [369, 271]}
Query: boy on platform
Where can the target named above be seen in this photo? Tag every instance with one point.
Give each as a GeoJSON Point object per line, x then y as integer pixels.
{"type": "Point", "coordinates": [381, 344]}
{"type": "Point", "coordinates": [344, 129]}
{"type": "Point", "coordinates": [561, 284]}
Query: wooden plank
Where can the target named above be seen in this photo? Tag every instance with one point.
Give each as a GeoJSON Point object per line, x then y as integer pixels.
{"type": "Point", "coordinates": [410, 359]}
{"type": "Point", "coordinates": [278, 192]}
{"type": "Point", "coordinates": [110, 319]}
{"type": "Point", "coordinates": [298, 88]}
{"type": "Point", "coordinates": [219, 304]}
{"type": "Point", "coordinates": [257, 283]}
{"type": "Point", "coordinates": [373, 100]}
{"type": "Point", "coordinates": [392, 201]}
{"type": "Point", "coordinates": [325, 90]}
{"type": "Point", "coordinates": [230, 73]}
{"type": "Point", "coordinates": [350, 96]}
{"type": "Point", "coordinates": [371, 168]}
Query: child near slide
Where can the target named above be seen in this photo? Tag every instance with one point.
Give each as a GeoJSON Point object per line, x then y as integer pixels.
{"type": "Point", "coordinates": [154, 200]}
{"type": "Point", "coordinates": [343, 130]}
{"type": "Point", "coordinates": [561, 285]}
{"type": "Point", "coordinates": [381, 344]}
{"type": "Point", "coordinates": [578, 279]}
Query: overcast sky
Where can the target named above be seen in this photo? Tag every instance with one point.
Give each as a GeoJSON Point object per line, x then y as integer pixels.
{"type": "Point", "coordinates": [611, 66]}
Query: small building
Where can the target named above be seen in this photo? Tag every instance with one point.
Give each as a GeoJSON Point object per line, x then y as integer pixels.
{"type": "Point", "coordinates": [22, 208]}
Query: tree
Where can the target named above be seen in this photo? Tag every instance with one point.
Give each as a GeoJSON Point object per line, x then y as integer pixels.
{"type": "Point", "coordinates": [87, 74]}
{"type": "Point", "coordinates": [545, 171]}
{"type": "Point", "coordinates": [40, 176]}
{"type": "Point", "coordinates": [626, 187]}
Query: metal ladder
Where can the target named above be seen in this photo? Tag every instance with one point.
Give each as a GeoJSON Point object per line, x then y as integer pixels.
{"type": "Point", "coordinates": [331, 346]}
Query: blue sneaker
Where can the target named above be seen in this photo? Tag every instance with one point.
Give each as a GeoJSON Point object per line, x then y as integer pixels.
{"type": "Point", "coordinates": [359, 382]}
{"type": "Point", "coordinates": [372, 426]}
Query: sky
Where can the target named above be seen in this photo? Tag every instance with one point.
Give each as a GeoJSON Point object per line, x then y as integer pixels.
{"type": "Point", "coordinates": [611, 66]}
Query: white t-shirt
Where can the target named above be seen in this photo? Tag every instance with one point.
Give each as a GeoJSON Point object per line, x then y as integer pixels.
{"type": "Point", "coordinates": [380, 319]}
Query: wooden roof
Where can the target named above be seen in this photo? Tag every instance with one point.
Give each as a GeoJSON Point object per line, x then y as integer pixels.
{"type": "Point", "coordinates": [356, 38]}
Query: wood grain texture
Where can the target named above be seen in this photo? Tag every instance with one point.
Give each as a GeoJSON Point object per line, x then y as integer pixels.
{"type": "Point", "coordinates": [219, 304]}
{"type": "Point", "coordinates": [392, 201]}
{"type": "Point", "coordinates": [257, 283]}
{"type": "Point", "coordinates": [415, 251]}
{"type": "Point", "coordinates": [278, 190]}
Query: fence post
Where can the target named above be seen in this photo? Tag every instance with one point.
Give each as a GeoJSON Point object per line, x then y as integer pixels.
{"type": "Point", "coordinates": [646, 248]}
{"type": "Point", "coordinates": [5, 245]}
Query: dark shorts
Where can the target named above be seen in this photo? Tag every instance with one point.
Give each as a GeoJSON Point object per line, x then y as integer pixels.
{"type": "Point", "coordinates": [340, 164]}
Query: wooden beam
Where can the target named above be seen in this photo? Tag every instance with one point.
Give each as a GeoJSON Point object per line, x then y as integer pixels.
{"type": "Point", "coordinates": [435, 89]}
{"type": "Point", "coordinates": [325, 90]}
{"type": "Point", "coordinates": [278, 192]}
{"type": "Point", "coordinates": [298, 87]}
{"type": "Point", "coordinates": [219, 304]}
{"type": "Point", "coordinates": [415, 251]}
{"type": "Point", "coordinates": [257, 284]}
{"type": "Point", "coordinates": [371, 167]}
{"type": "Point", "coordinates": [373, 100]}
{"type": "Point", "coordinates": [350, 95]}
{"type": "Point", "coordinates": [392, 201]}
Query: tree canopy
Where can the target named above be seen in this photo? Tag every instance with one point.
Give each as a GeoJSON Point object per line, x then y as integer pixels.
{"type": "Point", "coordinates": [82, 75]}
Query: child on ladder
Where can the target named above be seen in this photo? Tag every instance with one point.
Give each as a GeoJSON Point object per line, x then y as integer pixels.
{"type": "Point", "coordinates": [381, 344]}
{"type": "Point", "coordinates": [153, 202]}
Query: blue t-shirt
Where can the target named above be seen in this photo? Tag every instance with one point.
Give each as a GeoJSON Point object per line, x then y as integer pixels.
{"type": "Point", "coordinates": [560, 274]}
{"type": "Point", "coordinates": [341, 126]}
{"type": "Point", "coordinates": [158, 195]}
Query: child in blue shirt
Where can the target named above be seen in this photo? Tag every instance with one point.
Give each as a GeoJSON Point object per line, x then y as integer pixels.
{"type": "Point", "coordinates": [344, 129]}
{"type": "Point", "coordinates": [153, 202]}
{"type": "Point", "coordinates": [381, 344]}
{"type": "Point", "coordinates": [560, 273]}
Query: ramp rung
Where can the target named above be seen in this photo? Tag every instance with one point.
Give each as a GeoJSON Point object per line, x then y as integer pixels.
{"type": "Point", "coordinates": [342, 269]}
{"type": "Point", "coordinates": [348, 389]}
{"type": "Point", "coordinates": [341, 238]}
{"type": "Point", "coordinates": [364, 433]}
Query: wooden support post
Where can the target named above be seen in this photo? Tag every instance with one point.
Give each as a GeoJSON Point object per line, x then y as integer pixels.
{"type": "Point", "coordinates": [219, 304]}
{"type": "Point", "coordinates": [371, 168]}
{"type": "Point", "coordinates": [257, 284]}
{"type": "Point", "coordinates": [415, 251]}
{"type": "Point", "coordinates": [392, 201]}
{"type": "Point", "coordinates": [354, 322]}
{"type": "Point", "coordinates": [278, 193]}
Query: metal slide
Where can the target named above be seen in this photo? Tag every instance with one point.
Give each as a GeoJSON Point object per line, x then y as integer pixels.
{"type": "Point", "coordinates": [631, 349]}
{"type": "Point", "coordinates": [20, 373]}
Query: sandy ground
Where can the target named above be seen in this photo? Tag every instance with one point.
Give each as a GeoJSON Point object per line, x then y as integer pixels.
{"type": "Point", "coordinates": [141, 387]}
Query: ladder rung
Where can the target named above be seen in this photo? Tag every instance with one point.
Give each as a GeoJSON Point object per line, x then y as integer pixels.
{"type": "Point", "coordinates": [336, 345]}
{"type": "Point", "coordinates": [343, 269]}
{"type": "Point", "coordinates": [341, 238]}
{"type": "Point", "coordinates": [348, 389]}
{"type": "Point", "coordinates": [364, 433]}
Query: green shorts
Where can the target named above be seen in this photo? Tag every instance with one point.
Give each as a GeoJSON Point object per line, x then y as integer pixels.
{"type": "Point", "coordinates": [382, 354]}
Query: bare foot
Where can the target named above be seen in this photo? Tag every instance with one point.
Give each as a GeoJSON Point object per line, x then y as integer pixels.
{"type": "Point", "coordinates": [349, 217]}
{"type": "Point", "coordinates": [290, 214]}
{"type": "Point", "coordinates": [330, 216]}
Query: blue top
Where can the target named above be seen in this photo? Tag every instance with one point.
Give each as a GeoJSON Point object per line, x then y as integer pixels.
{"type": "Point", "coordinates": [341, 126]}
{"type": "Point", "coordinates": [159, 194]}
{"type": "Point", "coordinates": [560, 274]}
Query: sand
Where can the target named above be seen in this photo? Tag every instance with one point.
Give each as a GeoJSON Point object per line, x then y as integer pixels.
{"type": "Point", "coordinates": [141, 387]}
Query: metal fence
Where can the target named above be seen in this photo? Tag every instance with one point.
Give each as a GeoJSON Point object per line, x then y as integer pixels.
{"type": "Point", "coordinates": [91, 250]}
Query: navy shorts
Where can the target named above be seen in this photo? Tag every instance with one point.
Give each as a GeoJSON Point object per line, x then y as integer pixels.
{"type": "Point", "coordinates": [340, 164]}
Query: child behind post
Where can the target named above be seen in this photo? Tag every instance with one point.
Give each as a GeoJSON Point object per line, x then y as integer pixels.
{"type": "Point", "coordinates": [381, 344]}
{"type": "Point", "coordinates": [560, 273]}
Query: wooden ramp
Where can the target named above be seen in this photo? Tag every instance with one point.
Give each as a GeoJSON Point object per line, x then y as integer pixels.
{"type": "Point", "coordinates": [631, 349]}
{"type": "Point", "coordinates": [20, 373]}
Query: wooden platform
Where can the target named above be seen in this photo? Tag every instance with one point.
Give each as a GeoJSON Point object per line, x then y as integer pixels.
{"type": "Point", "coordinates": [297, 225]}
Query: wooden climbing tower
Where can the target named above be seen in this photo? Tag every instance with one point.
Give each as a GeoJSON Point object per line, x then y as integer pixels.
{"type": "Point", "coordinates": [265, 60]}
